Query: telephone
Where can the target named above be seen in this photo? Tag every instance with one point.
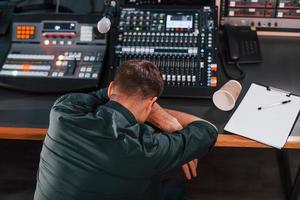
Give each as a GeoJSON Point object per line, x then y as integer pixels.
{"type": "Point", "coordinates": [241, 45]}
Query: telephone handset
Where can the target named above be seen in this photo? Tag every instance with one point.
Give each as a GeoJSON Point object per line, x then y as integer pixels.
{"type": "Point", "coordinates": [241, 45]}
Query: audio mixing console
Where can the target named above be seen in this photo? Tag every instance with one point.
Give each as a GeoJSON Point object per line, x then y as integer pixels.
{"type": "Point", "coordinates": [54, 53]}
{"type": "Point", "coordinates": [180, 41]}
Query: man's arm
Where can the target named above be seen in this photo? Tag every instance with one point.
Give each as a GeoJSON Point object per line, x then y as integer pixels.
{"type": "Point", "coordinates": [182, 146]}
{"type": "Point", "coordinates": [185, 119]}
{"type": "Point", "coordinates": [160, 118]}
{"type": "Point", "coordinates": [170, 121]}
{"type": "Point", "coordinates": [167, 119]}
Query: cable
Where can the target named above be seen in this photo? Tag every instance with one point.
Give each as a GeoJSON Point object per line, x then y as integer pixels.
{"type": "Point", "coordinates": [92, 4]}
{"type": "Point", "coordinates": [236, 64]}
{"type": "Point", "coordinates": [57, 6]}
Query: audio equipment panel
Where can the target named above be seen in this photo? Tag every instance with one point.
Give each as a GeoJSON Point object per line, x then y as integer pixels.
{"type": "Point", "coordinates": [170, 2]}
{"type": "Point", "coordinates": [180, 41]}
{"type": "Point", "coordinates": [272, 15]}
{"type": "Point", "coordinates": [54, 53]}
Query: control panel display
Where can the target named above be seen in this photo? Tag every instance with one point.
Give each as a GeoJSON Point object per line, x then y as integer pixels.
{"type": "Point", "coordinates": [181, 42]}
{"type": "Point", "coordinates": [179, 21]}
{"type": "Point", "coordinates": [52, 26]}
{"type": "Point", "coordinates": [48, 51]}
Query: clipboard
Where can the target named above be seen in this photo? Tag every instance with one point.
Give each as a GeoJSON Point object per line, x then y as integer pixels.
{"type": "Point", "coordinates": [271, 126]}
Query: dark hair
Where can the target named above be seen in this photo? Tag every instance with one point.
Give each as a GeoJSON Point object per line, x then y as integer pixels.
{"type": "Point", "coordinates": [139, 77]}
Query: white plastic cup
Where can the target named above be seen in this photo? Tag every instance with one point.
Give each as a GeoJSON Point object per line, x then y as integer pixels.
{"type": "Point", "coordinates": [225, 98]}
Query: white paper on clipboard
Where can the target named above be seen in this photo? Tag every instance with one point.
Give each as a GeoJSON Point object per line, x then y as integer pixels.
{"type": "Point", "coordinates": [270, 126]}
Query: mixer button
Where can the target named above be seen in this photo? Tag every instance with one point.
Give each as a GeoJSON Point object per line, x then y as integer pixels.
{"type": "Point", "coordinates": [92, 58]}
{"type": "Point", "coordinates": [89, 69]}
{"type": "Point", "coordinates": [213, 67]}
{"type": "Point", "coordinates": [58, 63]}
{"type": "Point", "coordinates": [83, 69]}
{"type": "Point", "coordinates": [60, 57]}
{"type": "Point", "coordinates": [213, 81]}
{"type": "Point", "coordinates": [81, 75]}
{"type": "Point", "coordinates": [64, 63]}
{"type": "Point", "coordinates": [86, 58]}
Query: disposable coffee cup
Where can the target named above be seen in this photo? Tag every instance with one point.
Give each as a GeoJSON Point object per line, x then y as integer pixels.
{"type": "Point", "coordinates": [225, 98]}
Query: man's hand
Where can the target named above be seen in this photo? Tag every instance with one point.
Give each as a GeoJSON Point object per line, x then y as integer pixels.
{"type": "Point", "coordinates": [190, 167]}
{"type": "Point", "coordinates": [166, 122]}
{"type": "Point", "coordinates": [163, 120]}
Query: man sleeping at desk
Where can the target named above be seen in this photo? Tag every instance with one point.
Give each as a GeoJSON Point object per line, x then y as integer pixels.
{"type": "Point", "coordinates": [98, 146]}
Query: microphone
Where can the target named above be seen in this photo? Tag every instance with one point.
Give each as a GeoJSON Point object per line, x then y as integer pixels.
{"type": "Point", "coordinates": [104, 24]}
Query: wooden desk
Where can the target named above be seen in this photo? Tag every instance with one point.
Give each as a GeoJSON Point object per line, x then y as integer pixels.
{"type": "Point", "coordinates": [224, 140]}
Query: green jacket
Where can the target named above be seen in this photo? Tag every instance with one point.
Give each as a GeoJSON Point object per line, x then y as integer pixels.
{"type": "Point", "coordinates": [96, 150]}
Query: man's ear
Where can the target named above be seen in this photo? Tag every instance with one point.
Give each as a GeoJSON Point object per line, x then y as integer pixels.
{"type": "Point", "coordinates": [151, 102]}
{"type": "Point", "coordinates": [110, 89]}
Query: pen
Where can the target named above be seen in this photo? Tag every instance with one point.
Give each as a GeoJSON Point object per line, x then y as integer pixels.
{"type": "Point", "coordinates": [274, 104]}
